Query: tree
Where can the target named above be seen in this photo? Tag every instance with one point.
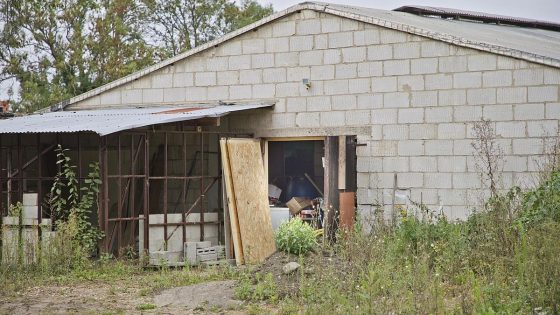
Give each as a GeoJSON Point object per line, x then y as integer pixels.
{"type": "Point", "coordinates": [179, 25]}
{"type": "Point", "coordinates": [60, 48]}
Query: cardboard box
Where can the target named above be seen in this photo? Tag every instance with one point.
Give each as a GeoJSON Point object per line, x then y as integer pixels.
{"type": "Point", "coordinates": [296, 204]}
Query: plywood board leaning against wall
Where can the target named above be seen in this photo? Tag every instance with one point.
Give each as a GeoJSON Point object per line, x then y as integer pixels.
{"type": "Point", "coordinates": [232, 210]}
{"type": "Point", "coordinates": [250, 190]}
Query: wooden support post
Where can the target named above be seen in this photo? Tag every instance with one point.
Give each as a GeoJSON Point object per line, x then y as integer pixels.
{"type": "Point", "coordinates": [331, 200]}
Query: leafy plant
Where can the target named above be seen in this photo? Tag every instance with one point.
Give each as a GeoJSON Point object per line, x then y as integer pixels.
{"type": "Point", "coordinates": [295, 237]}
{"type": "Point", "coordinates": [542, 203]}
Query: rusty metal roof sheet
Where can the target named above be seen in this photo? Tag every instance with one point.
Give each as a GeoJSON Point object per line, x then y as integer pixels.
{"type": "Point", "coordinates": [478, 16]}
{"type": "Point", "coordinates": [107, 121]}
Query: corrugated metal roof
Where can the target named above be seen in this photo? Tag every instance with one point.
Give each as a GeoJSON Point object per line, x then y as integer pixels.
{"type": "Point", "coordinates": [107, 121]}
{"type": "Point", "coordinates": [535, 45]}
{"type": "Point", "coordinates": [478, 16]}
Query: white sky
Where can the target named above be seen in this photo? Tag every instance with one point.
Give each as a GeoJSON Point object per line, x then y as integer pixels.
{"type": "Point", "coordinates": [548, 10]}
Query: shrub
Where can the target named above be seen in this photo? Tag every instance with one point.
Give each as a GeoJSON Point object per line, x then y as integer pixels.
{"type": "Point", "coordinates": [295, 237]}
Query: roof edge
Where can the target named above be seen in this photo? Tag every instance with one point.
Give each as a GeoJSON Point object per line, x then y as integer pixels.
{"type": "Point", "coordinates": [319, 7]}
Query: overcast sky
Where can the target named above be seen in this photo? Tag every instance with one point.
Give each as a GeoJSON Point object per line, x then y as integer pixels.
{"type": "Point", "coordinates": [536, 9]}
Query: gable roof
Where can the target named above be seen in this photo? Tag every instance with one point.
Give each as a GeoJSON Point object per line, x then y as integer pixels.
{"type": "Point", "coordinates": [531, 44]}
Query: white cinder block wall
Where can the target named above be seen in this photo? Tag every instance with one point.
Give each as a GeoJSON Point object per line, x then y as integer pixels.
{"type": "Point", "coordinates": [412, 100]}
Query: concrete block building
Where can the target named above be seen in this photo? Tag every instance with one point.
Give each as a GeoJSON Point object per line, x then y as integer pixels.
{"type": "Point", "coordinates": [399, 90]}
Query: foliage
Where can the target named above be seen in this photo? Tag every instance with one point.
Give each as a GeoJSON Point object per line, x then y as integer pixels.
{"type": "Point", "coordinates": [71, 211]}
{"type": "Point", "coordinates": [295, 237]}
{"type": "Point", "coordinates": [56, 49]}
{"type": "Point", "coordinates": [263, 290]}
{"type": "Point", "coordinates": [542, 203]}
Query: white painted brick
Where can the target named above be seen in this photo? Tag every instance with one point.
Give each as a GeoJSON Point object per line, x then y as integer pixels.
{"type": "Point", "coordinates": [439, 147]}
{"type": "Point", "coordinates": [281, 44]}
{"type": "Point", "coordinates": [498, 112]}
{"type": "Point", "coordinates": [308, 120]}
{"type": "Point", "coordinates": [452, 197]}
{"type": "Point", "coordinates": [346, 71]}
{"type": "Point", "coordinates": [313, 57]}
{"type": "Point", "coordinates": [423, 164]}
{"type": "Point", "coordinates": [424, 98]}
{"type": "Point", "coordinates": [284, 120]}
{"type": "Point", "coordinates": [366, 37]}
{"type": "Point", "coordinates": [321, 41]}
{"type": "Point", "coordinates": [349, 25]}
{"type": "Point", "coordinates": [411, 147]}
{"type": "Point", "coordinates": [455, 164]}
{"type": "Point", "coordinates": [319, 103]}
{"type": "Point", "coordinates": [356, 86]}
{"type": "Point", "coordinates": [152, 96]}
{"type": "Point", "coordinates": [230, 48]}
{"type": "Point", "coordinates": [332, 119]}
{"type": "Point", "coordinates": [438, 180]}
{"type": "Point", "coordinates": [438, 81]}
{"type": "Point", "coordinates": [250, 76]}
{"type": "Point", "coordinates": [384, 148]}
{"type": "Point", "coordinates": [219, 93]}
{"type": "Point", "coordinates": [528, 111]}
{"type": "Point", "coordinates": [411, 83]}
{"type": "Point", "coordinates": [199, 93]}
{"type": "Point", "coordinates": [272, 75]}
{"type": "Point", "coordinates": [370, 101]}
{"type": "Point", "coordinates": [262, 60]}
{"type": "Point", "coordinates": [342, 39]}
{"type": "Point", "coordinates": [183, 79]}
{"type": "Point", "coordinates": [384, 84]}
{"type": "Point", "coordinates": [497, 78]}
{"type": "Point", "coordinates": [332, 56]}
{"type": "Point", "coordinates": [217, 64]}
{"type": "Point", "coordinates": [398, 99]}
{"type": "Point", "coordinates": [376, 132]}
{"type": "Point", "coordinates": [423, 131]}
{"type": "Point", "coordinates": [344, 102]}
{"type": "Point", "coordinates": [481, 96]}
{"type": "Point", "coordinates": [334, 87]}
{"type": "Point", "coordinates": [527, 146]}
{"type": "Point", "coordinates": [205, 78]}
{"type": "Point", "coordinates": [296, 104]}
{"type": "Point", "coordinates": [551, 76]}
{"type": "Point", "coordinates": [439, 114]}
{"type": "Point", "coordinates": [396, 67]}
{"type": "Point", "coordinates": [410, 180]}
{"type": "Point", "coordinates": [482, 62]}
{"type": "Point", "coordinates": [239, 62]}
{"type": "Point", "coordinates": [395, 164]}
{"type": "Point", "coordinates": [515, 163]}
{"type": "Point", "coordinates": [395, 132]}
{"type": "Point", "coordinates": [411, 115]}
{"type": "Point", "coordinates": [525, 77]}
{"type": "Point", "coordinates": [174, 95]}
{"type": "Point", "coordinates": [553, 111]}
{"type": "Point", "coordinates": [542, 128]}
{"type": "Point", "coordinates": [162, 81]}
{"type": "Point", "coordinates": [466, 181]}
{"type": "Point", "coordinates": [543, 94]}
{"type": "Point", "coordinates": [325, 72]}
{"type": "Point", "coordinates": [388, 36]}
{"type": "Point", "coordinates": [408, 50]}
{"type": "Point", "coordinates": [370, 69]}
{"type": "Point", "coordinates": [281, 29]}
{"type": "Point", "coordinates": [510, 129]}
{"type": "Point", "coordinates": [467, 80]}
{"type": "Point", "coordinates": [451, 131]}
{"type": "Point", "coordinates": [424, 65]}
{"type": "Point", "coordinates": [330, 25]}
{"type": "Point", "coordinates": [307, 27]}
{"type": "Point", "coordinates": [287, 89]}
{"type": "Point", "coordinates": [452, 97]}
{"type": "Point", "coordinates": [434, 48]}
{"type": "Point", "coordinates": [301, 43]}
{"type": "Point", "coordinates": [357, 117]}
{"type": "Point", "coordinates": [511, 95]}
{"type": "Point", "coordinates": [298, 73]}
{"type": "Point", "coordinates": [453, 64]}
{"type": "Point", "coordinates": [380, 52]}
{"type": "Point", "coordinates": [354, 54]}
{"type": "Point", "coordinates": [384, 116]}
{"type": "Point", "coordinates": [467, 113]}
{"type": "Point", "coordinates": [462, 147]}
{"type": "Point", "coordinates": [196, 64]}
{"type": "Point", "coordinates": [132, 96]}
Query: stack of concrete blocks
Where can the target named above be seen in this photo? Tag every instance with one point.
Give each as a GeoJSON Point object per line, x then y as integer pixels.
{"type": "Point", "coordinates": [173, 253]}
{"type": "Point", "coordinates": [20, 239]}
{"type": "Point", "coordinates": [203, 253]}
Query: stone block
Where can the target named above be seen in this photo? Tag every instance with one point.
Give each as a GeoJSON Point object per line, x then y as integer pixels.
{"type": "Point", "coordinates": [411, 147]}
{"type": "Point", "coordinates": [332, 119]}
{"type": "Point", "coordinates": [308, 120]}
{"type": "Point", "coordinates": [434, 48]}
{"type": "Point", "coordinates": [318, 103]}
{"type": "Point", "coordinates": [410, 180]}
{"type": "Point", "coordinates": [423, 98]}
{"type": "Point", "coordinates": [515, 163]}
{"type": "Point", "coordinates": [510, 129]}
{"type": "Point", "coordinates": [542, 128]}
{"type": "Point", "coordinates": [282, 29]}
{"type": "Point", "coordinates": [384, 116]}
{"type": "Point", "coordinates": [466, 181]}
{"type": "Point", "coordinates": [552, 110]}
{"type": "Point", "coordinates": [280, 44]}
{"type": "Point", "coordinates": [410, 83]}
{"type": "Point", "coordinates": [452, 97]}
{"type": "Point", "coordinates": [197, 93]}
{"type": "Point", "coordinates": [438, 180]}
{"type": "Point", "coordinates": [240, 92]}
{"type": "Point", "coordinates": [230, 48]}
{"type": "Point", "coordinates": [334, 87]}
{"type": "Point", "coordinates": [467, 80]}
{"type": "Point", "coordinates": [330, 25]}
{"type": "Point", "coordinates": [152, 96]}
{"type": "Point", "coordinates": [272, 75]}
{"type": "Point", "coordinates": [397, 99]}
{"type": "Point", "coordinates": [395, 164]}
{"type": "Point", "coordinates": [325, 72]}
{"type": "Point", "coordinates": [497, 78]}
{"type": "Point", "coordinates": [332, 56]}
{"type": "Point", "coordinates": [423, 131]}
{"type": "Point", "coordinates": [524, 77]}
{"type": "Point", "coordinates": [409, 50]}
{"type": "Point", "coordinates": [439, 114]}
{"type": "Point", "coordinates": [370, 69]}
{"type": "Point", "coordinates": [262, 60]}
{"type": "Point", "coordinates": [261, 91]}
{"type": "Point", "coordinates": [528, 146]}
{"type": "Point", "coordinates": [543, 94]}
{"type": "Point", "coordinates": [357, 117]}
{"type": "Point", "coordinates": [342, 39]}
{"type": "Point", "coordinates": [112, 97]}
{"type": "Point", "coordinates": [354, 54]}
{"type": "Point", "coordinates": [389, 36]}
{"type": "Point", "coordinates": [395, 132]}
{"type": "Point", "coordinates": [438, 81]}
{"type": "Point", "coordinates": [411, 115]}
{"type": "Point", "coordinates": [438, 147]}
{"type": "Point", "coordinates": [370, 101]}
{"type": "Point", "coordinates": [384, 84]}
{"type": "Point", "coordinates": [481, 62]}
{"type": "Point", "coordinates": [453, 64]}
{"type": "Point", "coordinates": [467, 113]}
{"type": "Point", "coordinates": [453, 164]}
{"type": "Point", "coordinates": [357, 86]}
{"type": "Point", "coordinates": [380, 52]}
{"type": "Point", "coordinates": [462, 147]}
{"type": "Point", "coordinates": [511, 95]}
{"type": "Point", "coordinates": [344, 102]}
{"type": "Point", "coordinates": [424, 66]}
{"type": "Point", "coordinates": [307, 27]}
{"type": "Point", "coordinates": [250, 76]}
{"type": "Point", "coordinates": [240, 62]}
{"type": "Point", "coordinates": [162, 80]}
{"type": "Point", "coordinates": [396, 67]}
{"type": "Point", "coordinates": [366, 37]}
{"type": "Point", "coordinates": [498, 112]}
{"type": "Point", "coordinates": [423, 164]}
{"type": "Point", "coordinates": [528, 111]}
{"type": "Point", "coordinates": [451, 131]}
{"type": "Point", "coordinates": [551, 76]}
{"type": "Point", "coordinates": [287, 89]}
{"type": "Point", "coordinates": [481, 96]}
{"type": "Point", "coordinates": [312, 57]}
